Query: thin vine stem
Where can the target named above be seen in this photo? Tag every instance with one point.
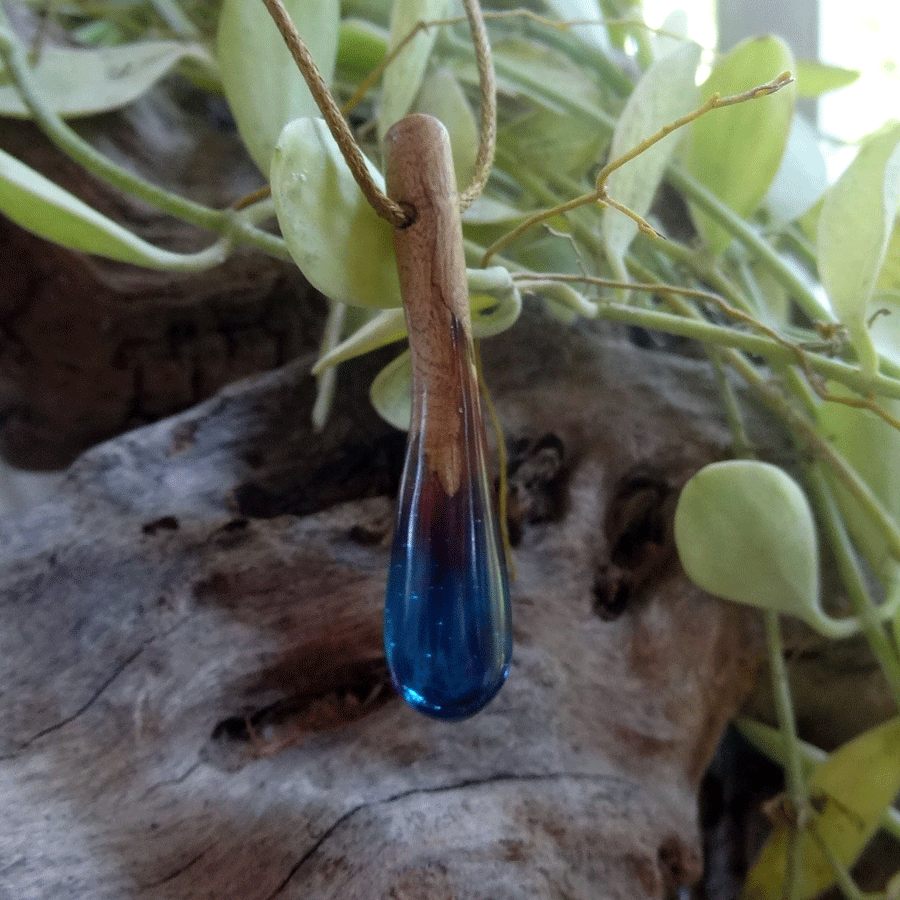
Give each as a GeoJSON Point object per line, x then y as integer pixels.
{"type": "Point", "coordinates": [842, 877]}
{"type": "Point", "coordinates": [15, 59]}
{"type": "Point", "coordinates": [326, 381]}
{"type": "Point", "coordinates": [229, 224]}
{"type": "Point", "coordinates": [599, 194]}
{"type": "Point", "coordinates": [793, 769]}
{"type": "Point", "coordinates": [698, 328]}
{"type": "Point", "coordinates": [741, 445]}
{"type": "Point", "coordinates": [851, 573]}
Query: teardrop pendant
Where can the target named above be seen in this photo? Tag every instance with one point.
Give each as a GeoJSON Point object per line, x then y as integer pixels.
{"type": "Point", "coordinates": [448, 638]}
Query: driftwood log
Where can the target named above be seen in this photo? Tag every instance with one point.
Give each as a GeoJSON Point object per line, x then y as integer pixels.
{"type": "Point", "coordinates": [195, 703]}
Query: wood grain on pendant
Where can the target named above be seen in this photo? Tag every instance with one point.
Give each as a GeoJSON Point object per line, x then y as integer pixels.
{"type": "Point", "coordinates": [432, 271]}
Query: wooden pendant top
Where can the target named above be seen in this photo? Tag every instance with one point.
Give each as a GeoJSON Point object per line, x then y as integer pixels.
{"type": "Point", "coordinates": [432, 272]}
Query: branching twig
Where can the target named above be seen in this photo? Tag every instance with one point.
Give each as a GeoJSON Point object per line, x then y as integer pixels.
{"type": "Point", "coordinates": [599, 194]}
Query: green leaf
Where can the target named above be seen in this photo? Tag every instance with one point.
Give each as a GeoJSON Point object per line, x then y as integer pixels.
{"type": "Point", "coordinates": [736, 151]}
{"type": "Point", "coordinates": [339, 242]}
{"type": "Point", "coordinates": [666, 92]}
{"type": "Point", "coordinates": [494, 303]}
{"type": "Point", "coordinates": [490, 211]}
{"type": "Point", "coordinates": [815, 78]}
{"type": "Point", "coordinates": [383, 328]}
{"type": "Point", "coordinates": [543, 138]}
{"type": "Point", "coordinates": [889, 276]}
{"type": "Point", "coordinates": [673, 32]}
{"type": "Point", "coordinates": [391, 392]}
{"type": "Point", "coordinates": [45, 209]}
{"type": "Point", "coordinates": [851, 791]}
{"type": "Point", "coordinates": [521, 64]}
{"type": "Point", "coordinates": [594, 32]}
{"type": "Point", "coordinates": [81, 82]}
{"type": "Point", "coordinates": [361, 47]}
{"type": "Point", "coordinates": [403, 77]}
{"type": "Point", "coordinates": [854, 230]}
{"type": "Point", "coordinates": [801, 178]}
{"type": "Point", "coordinates": [262, 83]}
{"type": "Point", "coordinates": [872, 447]}
{"type": "Point", "coordinates": [809, 221]}
{"type": "Point", "coordinates": [745, 532]}
{"type": "Point", "coordinates": [442, 97]}
{"type": "Point", "coordinates": [549, 250]}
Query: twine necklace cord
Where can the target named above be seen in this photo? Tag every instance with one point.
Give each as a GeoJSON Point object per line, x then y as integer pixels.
{"type": "Point", "coordinates": [487, 132]}
{"type": "Point", "coordinates": [382, 204]}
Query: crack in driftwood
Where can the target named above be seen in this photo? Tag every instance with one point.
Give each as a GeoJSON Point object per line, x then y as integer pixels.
{"type": "Point", "coordinates": [172, 782]}
{"type": "Point", "coordinates": [503, 778]}
{"type": "Point", "coordinates": [177, 872]}
{"type": "Point", "coordinates": [98, 693]}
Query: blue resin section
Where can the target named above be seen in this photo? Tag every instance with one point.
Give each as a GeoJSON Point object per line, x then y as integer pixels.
{"type": "Point", "coordinates": [448, 637]}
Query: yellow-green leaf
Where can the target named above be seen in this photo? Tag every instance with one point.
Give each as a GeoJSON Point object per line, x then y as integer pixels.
{"type": "Point", "coordinates": [442, 97]}
{"type": "Point", "coordinates": [854, 230]}
{"type": "Point", "coordinates": [736, 151]}
{"type": "Point", "coordinates": [361, 47]}
{"type": "Point", "coordinates": [745, 532]}
{"type": "Point", "coordinates": [872, 447]}
{"type": "Point", "coordinates": [889, 277]}
{"type": "Point", "coordinates": [801, 178]}
{"type": "Point", "coordinates": [851, 792]}
{"type": "Point", "coordinates": [543, 138]}
{"type": "Point", "coordinates": [45, 209]}
{"type": "Point", "coordinates": [591, 28]}
{"type": "Point", "coordinates": [665, 93]}
{"type": "Point", "coordinates": [391, 392]}
{"type": "Point", "coordinates": [815, 78]}
{"type": "Point", "coordinates": [265, 90]}
{"type": "Point", "coordinates": [340, 244]}
{"type": "Point", "coordinates": [81, 82]}
{"type": "Point", "coordinates": [403, 77]}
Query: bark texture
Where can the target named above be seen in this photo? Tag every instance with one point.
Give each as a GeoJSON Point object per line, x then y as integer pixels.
{"type": "Point", "coordinates": [195, 702]}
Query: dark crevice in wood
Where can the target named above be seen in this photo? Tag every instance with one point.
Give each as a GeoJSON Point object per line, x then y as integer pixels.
{"type": "Point", "coordinates": [537, 475]}
{"type": "Point", "coordinates": [641, 547]}
{"type": "Point", "coordinates": [175, 873]}
{"type": "Point", "coordinates": [331, 698]}
{"type": "Point", "coordinates": [361, 469]}
{"type": "Point", "coordinates": [163, 523]}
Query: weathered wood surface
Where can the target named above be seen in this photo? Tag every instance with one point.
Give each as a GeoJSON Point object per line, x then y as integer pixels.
{"type": "Point", "coordinates": [194, 702]}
